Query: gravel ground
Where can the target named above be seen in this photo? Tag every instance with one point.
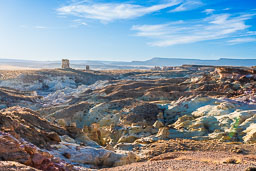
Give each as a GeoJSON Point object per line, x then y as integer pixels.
{"type": "Point", "coordinates": [193, 161]}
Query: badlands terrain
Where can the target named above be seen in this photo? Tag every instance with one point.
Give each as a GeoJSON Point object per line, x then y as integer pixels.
{"type": "Point", "coordinates": [186, 118]}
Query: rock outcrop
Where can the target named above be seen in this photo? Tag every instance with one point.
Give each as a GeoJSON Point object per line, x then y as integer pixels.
{"type": "Point", "coordinates": [105, 119]}
{"type": "Point", "coordinates": [25, 123]}
{"type": "Point", "coordinates": [33, 141]}
{"type": "Point", "coordinates": [236, 73]}
{"type": "Point", "coordinates": [12, 149]}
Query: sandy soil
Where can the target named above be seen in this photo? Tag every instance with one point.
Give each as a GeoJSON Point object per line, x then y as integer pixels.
{"type": "Point", "coordinates": [10, 67]}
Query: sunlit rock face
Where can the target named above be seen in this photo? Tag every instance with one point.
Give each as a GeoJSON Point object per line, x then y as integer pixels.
{"type": "Point", "coordinates": [216, 118]}
{"type": "Point", "coordinates": [235, 73]}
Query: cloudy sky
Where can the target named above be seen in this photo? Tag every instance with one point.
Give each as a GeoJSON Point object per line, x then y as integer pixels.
{"type": "Point", "coordinates": [127, 30]}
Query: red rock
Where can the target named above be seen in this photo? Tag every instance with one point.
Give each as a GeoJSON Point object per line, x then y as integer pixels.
{"type": "Point", "coordinates": [54, 136]}
{"type": "Point", "coordinates": [25, 123]}
{"type": "Point", "coordinates": [37, 159]}
{"type": "Point", "coordinates": [11, 150]}
{"type": "Point", "coordinates": [30, 150]}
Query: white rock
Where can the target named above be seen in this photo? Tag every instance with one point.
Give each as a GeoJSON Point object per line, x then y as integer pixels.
{"type": "Point", "coordinates": [158, 124]}
{"type": "Point", "coordinates": [250, 136]}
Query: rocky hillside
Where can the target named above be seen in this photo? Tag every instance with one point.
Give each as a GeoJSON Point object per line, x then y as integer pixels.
{"type": "Point", "coordinates": [76, 120]}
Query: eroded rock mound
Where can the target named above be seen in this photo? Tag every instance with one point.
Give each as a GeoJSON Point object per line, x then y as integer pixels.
{"type": "Point", "coordinates": [12, 149]}
{"type": "Point", "coordinates": [143, 113]}
{"type": "Point", "coordinates": [25, 123]}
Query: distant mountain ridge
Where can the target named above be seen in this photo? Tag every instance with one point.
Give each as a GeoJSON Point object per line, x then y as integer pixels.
{"type": "Point", "coordinates": [181, 61]}
{"type": "Point", "coordinates": [157, 61]}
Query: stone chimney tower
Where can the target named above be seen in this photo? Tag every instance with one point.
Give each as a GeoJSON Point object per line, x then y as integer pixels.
{"type": "Point", "coordinates": [87, 68]}
{"type": "Point", "coordinates": [65, 64]}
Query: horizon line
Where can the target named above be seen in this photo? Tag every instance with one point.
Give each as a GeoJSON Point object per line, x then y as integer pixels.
{"type": "Point", "coordinates": [128, 61]}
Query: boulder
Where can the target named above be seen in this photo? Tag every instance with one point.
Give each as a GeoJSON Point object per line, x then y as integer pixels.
{"type": "Point", "coordinates": [158, 124]}
{"type": "Point", "coordinates": [38, 159]}
{"type": "Point", "coordinates": [67, 155]}
{"type": "Point", "coordinates": [127, 139]}
{"type": "Point", "coordinates": [67, 139]}
{"type": "Point", "coordinates": [128, 158]}
{"type": "Point", "coordinates": [163, 133]}
{"type": "Point", "coordinates": [54, 136]}
{"type": "Point", "coordinates": [135, 129]}
{"type": "Point", "coordinates": [11, 150]}
{"type": "Point", "coordinates": [90, 155]}
{"type": "Point", "coordinates": [250, 136]}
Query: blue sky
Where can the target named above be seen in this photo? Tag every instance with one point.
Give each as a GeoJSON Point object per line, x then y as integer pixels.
{"type": "Point", "coordinates": [127, 30]}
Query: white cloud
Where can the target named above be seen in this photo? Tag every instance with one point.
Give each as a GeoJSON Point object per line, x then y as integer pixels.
{"type": "Point", "coordinates": [219, 19]}
{"type": "Point", "coordinates": [79, 1]}
{"type": "Point", "coordinates": [250, 33]}
{"type": "Point", "coordinates": [209, 11]}
{"type": "Point", "coordinates": [226, 9]}
{"type": "Point", "coordinates": [41, 27]}
{"type": "Point", "coordinates": [210, 28]}
{"type": "Point", "coordinates": [23, 26]}
{"type": "Point", "coordinates": [242, 40]}
{"type": "Point", "coordinates": [107, 12]}
{"type": "Point", "coordinates": [188, 5]}
{"type": "Point", "coordinates": [156, 31]}
{"type": "Point", "coordinates": [79, 22]}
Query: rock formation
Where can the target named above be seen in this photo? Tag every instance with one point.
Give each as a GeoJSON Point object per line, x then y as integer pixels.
{"type": "Point", "coordinates": [72, 119]}
{"type": "Point", "coordinates": [87, 67]}
{"type": "Point", "coordinates": [65, 64]}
